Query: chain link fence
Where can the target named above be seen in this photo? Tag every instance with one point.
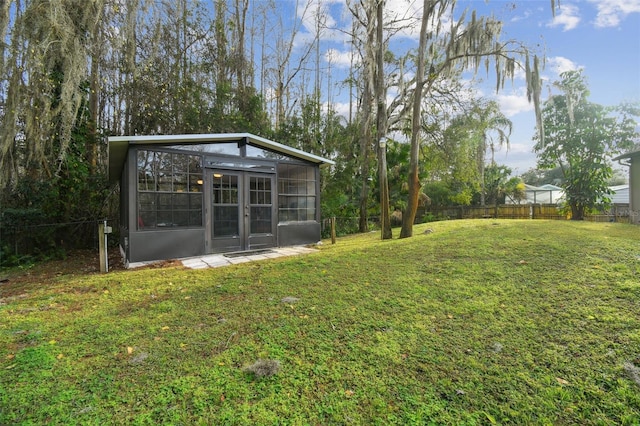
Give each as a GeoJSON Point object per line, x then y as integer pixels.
{"type": "Point", "coordinates": [24, 237]}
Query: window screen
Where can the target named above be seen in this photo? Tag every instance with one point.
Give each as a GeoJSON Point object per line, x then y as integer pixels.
{"type": "Point", "coordinates": [169, 190]}
{"type": "Point", "coordinates": [296, 193]}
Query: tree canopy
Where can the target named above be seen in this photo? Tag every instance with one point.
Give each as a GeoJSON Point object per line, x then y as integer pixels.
{"type": "Point", "coordinates": [75, 71]}
{"type": "Point", "coordinates": [580, 138]}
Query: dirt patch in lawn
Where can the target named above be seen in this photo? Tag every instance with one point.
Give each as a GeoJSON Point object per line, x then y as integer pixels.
{"type": "Point", "coordinates": [16, 281]}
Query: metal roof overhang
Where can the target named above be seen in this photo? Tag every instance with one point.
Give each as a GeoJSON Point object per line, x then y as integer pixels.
{"type": "Point", "coordinates": [627, 156]}
{"type": "Point", "coordinates": [119, 145]}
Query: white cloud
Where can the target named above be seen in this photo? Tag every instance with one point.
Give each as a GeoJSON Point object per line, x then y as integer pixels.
{"type": "Point", "coordinates": [525, 16]}
{"type": "Point", "coordinates": [341, 108]}
{"type": "Point", "coordinates": [559, 64]}
{"type": "Point", "coordinates": [316, 16]}
{"type": "Point", "coordinates": [611, 12]}
{"type": "Point", "coordinates": [340, 59]}
{"type": "Point", "coordinates": [520, 148]}
{"type": "Point", "coordinates": [405, 16]}
{"type": "Point", "coordinates": [514, 102]}
{"type": "Point", "coordinates": [519, 158]}
{"type": "Point", "coordinates": [408, 14]}
{"type": "Point", "coordinates": [269, 93]}
{"type": "Point", "coordinates": [312, 11]}
{"type": "Point", "coordinates": [568, 17]}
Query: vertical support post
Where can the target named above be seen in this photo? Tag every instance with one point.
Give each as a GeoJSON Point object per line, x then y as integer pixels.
{"type": "Point", "coordinates": [102, 246]}
{"type": "Point", "coordinates": [333, 230]}
{"type": "Point", "coordinates": [107, 231]}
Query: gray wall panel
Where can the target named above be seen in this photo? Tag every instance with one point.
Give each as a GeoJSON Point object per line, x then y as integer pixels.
{"type": "Point", "coordinates": [157, 245]}
{"type": "Point", "coordinates": [298, 233]}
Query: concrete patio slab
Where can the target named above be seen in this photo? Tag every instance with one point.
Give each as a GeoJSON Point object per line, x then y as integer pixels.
{"type": "Point", "coordinates": [219, 260]}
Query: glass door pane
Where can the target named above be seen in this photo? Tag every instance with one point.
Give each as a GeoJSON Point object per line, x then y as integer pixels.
{"type": "Point", "coordinates": [260, 204]}
{"type": "Point", "coordinates": [226, 206]}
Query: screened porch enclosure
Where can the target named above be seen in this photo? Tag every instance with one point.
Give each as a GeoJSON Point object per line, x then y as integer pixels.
{"type": "Point", "coordinates": [190, 195]}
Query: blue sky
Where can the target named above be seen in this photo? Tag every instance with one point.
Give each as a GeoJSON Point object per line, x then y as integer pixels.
{"type": "Point", "coordinates": [602, 37]}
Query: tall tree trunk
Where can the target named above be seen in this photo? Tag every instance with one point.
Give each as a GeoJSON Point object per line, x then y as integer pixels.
{"type": "Point", "coordinates": [381, 125]}
{"type": "Point", "coordinates": [366, 125]}
{"type": "Point", "coordinates": [4, 25]}
{"type": "Point", "coordinates": [365, 149]}
{"type": "Point", "coordinates": [91, 142]}
{"type": "Point", "coordinates": [577, 212]}
{"type": "Point", "coordinates": [240, 63]}
{"type": "Point", "coordinates": [222, 60]}
{"type": "Point", "coordinates": [385, 219]}
{"type": "Point", "coordinates": [351, 71]}
{"type": "Point", "coordinates": [482, 149]}
{"type": "Point", "coordinates": [130, 98]}
{"type": "Point", "coordinates": [409, 215]}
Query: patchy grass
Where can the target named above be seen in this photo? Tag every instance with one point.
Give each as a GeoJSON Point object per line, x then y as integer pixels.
{"type": "Point", "coordinates": [478, 322]}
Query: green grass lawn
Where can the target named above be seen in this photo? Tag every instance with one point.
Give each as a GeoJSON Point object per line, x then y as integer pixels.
{"type": "Point", "coordinates": [478, 322]}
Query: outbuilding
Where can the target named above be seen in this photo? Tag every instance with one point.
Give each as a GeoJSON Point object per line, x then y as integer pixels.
{"type": "Point", "coordinates": [632, 160]}
{"type": "Point", "coordinates": [545, 194]}
{"type": "Point", "coordinates": [192, 195]}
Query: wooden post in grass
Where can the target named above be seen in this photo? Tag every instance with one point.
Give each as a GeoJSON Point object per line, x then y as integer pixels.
{"type": "Point", "coordinates": [101, 247]}
{"type": "Point", "coordinates": [333, 230]}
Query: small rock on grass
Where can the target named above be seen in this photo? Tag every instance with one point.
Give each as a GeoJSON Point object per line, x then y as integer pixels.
{"type": "Point", "coordinates": [289, 299]}
{"type": "Point", "coordinates": [263, 368]}
{"type": "Point", "coordinates": [139, 359]}
{"type": "Point", "coordinates": [633, 372]}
